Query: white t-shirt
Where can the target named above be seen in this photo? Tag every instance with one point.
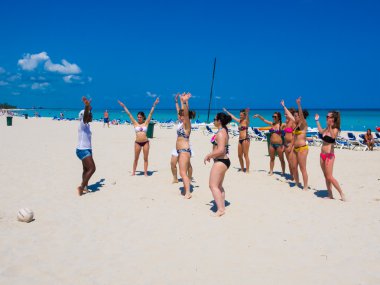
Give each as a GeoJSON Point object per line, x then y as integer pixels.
{"type": "Point", "coordinates": [84, 136]}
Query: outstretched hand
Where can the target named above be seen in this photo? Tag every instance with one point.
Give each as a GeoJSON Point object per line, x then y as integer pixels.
{"type": "Point", "coordinates": [282, 103]}
{"type": "Point", "coordinates": [86, 101]}
{"type": "Point", "coordinates": [255, 116]}
{"type": "Point", "coordinates": [225, 110]}
{"type": "Point", "coordinates": [298, 101]}
{"type": "Point", "coordinates": [185, 97]}
{"type": "Point", "coordinates": [120, 103]}
{"type": "Point", "coordinates": [176, 97]}
{"type": "Point", "coordinates": [156, 102]}
{"type": "Point", "coordinates": [316, 117]}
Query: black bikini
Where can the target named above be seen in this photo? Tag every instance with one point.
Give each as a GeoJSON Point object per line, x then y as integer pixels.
{"type": "Point", "coordinates": [226, 161]}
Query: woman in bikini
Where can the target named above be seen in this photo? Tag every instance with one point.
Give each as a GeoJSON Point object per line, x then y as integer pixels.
{"type": "Point", "coordinates": [183, 143]}
{"type": "Point", "coordinates": [174, 158]}
{"type": "Point", "coordinates": [244, 141]}
{"type": "Point", "coordinates": [141, 128]}
{"type": "Point", "coordinates": [221, 161]}
{"type": "Point", "coordinates": [288, 128]}
{"type": "Point", "coordinates": [369, 140]}
{"type": "Point", "coordinates": [300, 148]}
{"type": "Point", "coordinates": [276, 143]}
{"type": "Point", "coordinates": [327, 156]}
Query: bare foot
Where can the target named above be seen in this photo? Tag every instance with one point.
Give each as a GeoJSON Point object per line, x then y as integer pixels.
{"type": "Point", "coordinates": [305, 188]}
{"type": "Point", "coordinates": [270, 173]}
{"type": "Point", "coordinates": [187, 196]}
{"type": "Point", "coordinates": [175, 180]}
{"type": "Point", "coordinates": [218, 214]}
{"type": "Point", "coordinates": [80, 190]}
{"type": "Point", "coordinates": [133, 174]}
{"type": "Point", "coordinates": [343, 198]}
{"type": "Point", "coordinates": [146, 174]}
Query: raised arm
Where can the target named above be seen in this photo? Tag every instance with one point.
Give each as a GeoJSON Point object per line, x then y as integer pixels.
{"type": "Point", "coordinates": [184, 100]}
{"type": "Point", "coordinates": [247, 116]}
{"type": "Point", "coordinates": [127, 111]}
{"type": "Point", "coordinates": [87, 109]}
{"type": "Point", "coordinates": [287, 112]}
{"type": "Point", "coordinates": [151, 111]}
{"type": "Point", "coordinates": [176, 104]}
{"type": "Point", "coordinates": [320, 129]}
{"type": "Point", "coordinates": [232, 116]}
{"type": "Point", "coordinates": [262, 119]}
{"type": "Point", "coordinates": [300, 112]}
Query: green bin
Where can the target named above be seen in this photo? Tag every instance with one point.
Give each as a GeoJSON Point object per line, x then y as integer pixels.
{"type": "Point", "coordinates": [9, 121]}
{"type": "Point", "coordinates": [150, 131]}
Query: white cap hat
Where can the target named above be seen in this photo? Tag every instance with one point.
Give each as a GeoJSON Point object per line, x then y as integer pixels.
{"type": "Point", "coordinates": [81, 114]}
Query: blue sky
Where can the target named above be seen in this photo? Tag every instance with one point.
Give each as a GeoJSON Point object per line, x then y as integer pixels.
{"type": "Point", "coordinates": [325, 51]}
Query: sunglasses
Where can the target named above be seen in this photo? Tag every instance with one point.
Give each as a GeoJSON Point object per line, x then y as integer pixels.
{"type": "Point", "coordinates": [274, 117]}
{"type": "Point", "coordinates": [328, 117]}
{"type": "Point", "coordinates": [215, 119]}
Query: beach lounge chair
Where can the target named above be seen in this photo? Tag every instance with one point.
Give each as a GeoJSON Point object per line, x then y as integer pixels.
{"type": "Point", "coordinates": [258, 135]}
{"type": "Point", "coordinates": [356, 143]}
{"type": "Point", "coordinates": [342, 143]}
{"type": "Point", "coordinates": [208, 131]}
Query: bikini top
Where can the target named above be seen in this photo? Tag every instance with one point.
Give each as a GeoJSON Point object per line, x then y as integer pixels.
{"type": "Point", "coordinates": [181, 132]}
{"type": "Point", "coordinates": [288, 130]}
{"type": "Point", "coordinates": [328, 139]}
{"type": "Point", "coordinates": [141, 129]}
{"type": "Point", "coordinates": [297, 131]}
{"type": "Point", "coordinates": [213, 141]}
{"type": "Point", "coordinates": [279, 132]}
{"type": "Point", "coordinates": [243, 128]}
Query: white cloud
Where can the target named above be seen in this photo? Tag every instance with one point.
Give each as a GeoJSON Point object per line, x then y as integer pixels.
{"type": "Point", "coordinates": [23, 85]}
{"type": "Point", "coordinates": [3, 83]}
{"type": "Point", "coordinates": [71, 78]}
{"type": "Point", "coordinates": [218, 97]}
{"type": "Point", "coordinates": [64, 68]}
{"type": "Point", "coordinates": [36, 86]}
{"type": "Point", "coordinates": [14, 77]}
{"type": "Point", "coordinates": [30, 61]}
{"type": "Point", "coordinates": [2, 70]}
{"type": "Point", "coordinates": [150, 94]}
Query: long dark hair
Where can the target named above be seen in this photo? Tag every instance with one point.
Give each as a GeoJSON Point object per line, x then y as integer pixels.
{"type": "Point", "coordinates": [191, 113]}
{"type": "Point", "coordinates": [142, 114]}
{"type": "Point", "coordinates": [224, 119]}
{"type": "Point", "coordinates": [336, 116]}
{"type": "Point", "coordinates": [279, 117]}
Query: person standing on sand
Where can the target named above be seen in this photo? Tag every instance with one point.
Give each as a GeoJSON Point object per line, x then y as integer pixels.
{"type": "Point", "coordinates": [289, 127]}
{"type": "Point", "coordinates": [106, 119]}
{"type": "Point", "coordinates": [221, 161]}
{"type": "Point", "coordinates": [300, 149]}
{"type": "Point", "coordinates": [174, 156]}
{"type": "Point", "coordinates": [276, 142]}
{"type": "Point", "coordinates": [84, 148]}
{"type": "Point", "coordinates": [327, 156]}
{"type": "Point", "coordinates": [141, 128]}
{"type": "Point", "coordinates": [183, 143]}
{"type": "Point", "coordinates": [244, 140]}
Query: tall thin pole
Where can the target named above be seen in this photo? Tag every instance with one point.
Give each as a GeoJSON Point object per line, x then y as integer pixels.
{"type": "Point", "coordinates": [212, 86]}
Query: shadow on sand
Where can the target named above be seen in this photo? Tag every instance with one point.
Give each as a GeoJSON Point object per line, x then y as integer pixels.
{"type": "Point", "coordinates": [141, 173]}
{"type": "Point", "coordinates": [96, 186]}
{"type": "Point", "coordinates": [214, 208]}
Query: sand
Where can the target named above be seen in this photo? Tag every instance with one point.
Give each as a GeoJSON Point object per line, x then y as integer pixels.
{"type": "Point", "coordinates": [139, 230]}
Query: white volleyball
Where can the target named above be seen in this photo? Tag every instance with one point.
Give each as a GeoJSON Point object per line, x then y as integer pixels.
{"type": "Point", "coordinates": [25, 215]}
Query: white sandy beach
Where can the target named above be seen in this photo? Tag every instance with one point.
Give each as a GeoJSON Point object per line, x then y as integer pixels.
{"type": "Point", "coordinates": [139, 230]}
